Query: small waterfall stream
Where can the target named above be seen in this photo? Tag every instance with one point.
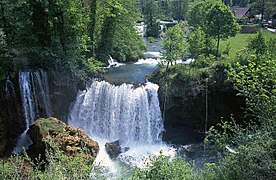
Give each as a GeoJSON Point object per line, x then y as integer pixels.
{"type": "Point", "coordinates": [35, 95]}
{"type": "Point", "coordinates": [35, 99]}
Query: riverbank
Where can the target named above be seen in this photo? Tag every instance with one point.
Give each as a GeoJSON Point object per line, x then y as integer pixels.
{"type": "Point", "coordinates": [184, 92]}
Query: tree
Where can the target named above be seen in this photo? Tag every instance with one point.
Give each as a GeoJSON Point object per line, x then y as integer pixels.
{"type": "Point", "coordinates": [92, 26]}
{"type": "Point", "coordinates": [228, 2]}
{"type": "Point", "coordinates": [118, 36]}
{"type": "Point", "coordinates": [266, 8]}
{"type": "Point", "coordinates": [196, 43]}
{"type": "Point", "coordinates": [178, 9]}
{"type": "Point", "coordinates": [258, 45]}
{"type": "Point", "coordinates": [174, 44]}
{"type": "Point", "coordinates": [254, 75]}
{"type": "Point", "coordinates": [221, 23]}
{"type": "Point", "coordinates": [152, 14]}
{"type": "Point", "coordinates": [108, 31]}
{"type": "Point", "coordinates": [216, 20]}
{"type": "Point", "coordinates": [197, 17]}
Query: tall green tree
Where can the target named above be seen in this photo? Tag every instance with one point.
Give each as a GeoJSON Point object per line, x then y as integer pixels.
{"type": "Point", "coordinates": [108, 30]}
{"type": "Point", "coordinates": [215, 19]}
{"type": "Point", "coordinates": [178, 9]}
{"type": "Point", "coordinates": [152, 14]}
{"type": "Point", "coordinates": [197, 43]}
{"type": "Point", "coordinates": [221, 23]}
{"type": "Point", "coordinates": [92, 25]}
{"type": "Point", "coordinates": [118, 36]}
{"type": "Point", "coordinates": [174, 45]}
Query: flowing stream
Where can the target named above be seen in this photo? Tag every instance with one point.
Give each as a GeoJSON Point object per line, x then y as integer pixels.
{"type": "Point", "coordinates": [35, 99]}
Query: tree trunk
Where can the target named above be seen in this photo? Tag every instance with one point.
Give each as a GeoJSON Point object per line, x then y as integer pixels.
{"type": "Point", "coordinates": [217, 53]}
{"type": "Point", "coordinates": [262, 11]}
{"type": "Point", "coordinates": [93, 10]}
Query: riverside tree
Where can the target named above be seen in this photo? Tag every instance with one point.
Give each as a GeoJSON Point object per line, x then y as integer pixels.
{"type": "Point", "coordinates": [67, 35]}
{"type": "Point", "coordinates": [174, 45]}
{"type": "Point", "coordinates": [152, 14]}
{"type": "Point", "coordinates": [118, 36]}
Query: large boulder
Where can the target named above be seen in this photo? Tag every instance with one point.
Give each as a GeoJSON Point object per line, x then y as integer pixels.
{"type": "Point", "coordinates": [114, 149]}
{"type": "Point", "coordinates": [46, 132]}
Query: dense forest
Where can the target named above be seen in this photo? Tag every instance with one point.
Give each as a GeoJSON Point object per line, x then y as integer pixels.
{"type": "Point", "coordinates": [215, 73]}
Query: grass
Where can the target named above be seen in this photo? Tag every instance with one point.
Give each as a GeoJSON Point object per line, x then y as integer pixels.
{"type": "Point", "coordinates": [240, 41]}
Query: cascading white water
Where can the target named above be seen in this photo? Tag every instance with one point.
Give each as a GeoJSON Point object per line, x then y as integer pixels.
{"type": "Point", "coordinates": [9, 89]}
{"type": "Point", "coordinates": [35, 99]}
{"type": "Point", "coordinates": [35, 95]}
{"type": "Point", "coordinates": [113, 63]}
{"type": "Point", "coordinates": [107, 112]}
{"type": "Point", "coordinates": [119, 112]}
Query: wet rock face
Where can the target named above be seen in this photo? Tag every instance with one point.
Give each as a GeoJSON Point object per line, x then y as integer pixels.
{"type": "Point", "coordinates": [45, 132]}
{"type": "Point", "coordinates": [63, 90]}
{"type": "Point", "coordinates": [114, 149]}
{"type": "Point", "coordinates": [3, 139]}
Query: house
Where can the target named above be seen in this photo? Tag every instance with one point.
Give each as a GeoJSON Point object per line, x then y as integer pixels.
{"type": "Point", "coordinates": [241, 13]}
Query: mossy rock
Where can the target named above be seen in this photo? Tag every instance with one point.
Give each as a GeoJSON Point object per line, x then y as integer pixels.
{"type": "Point", "coordinates": [46, 133]}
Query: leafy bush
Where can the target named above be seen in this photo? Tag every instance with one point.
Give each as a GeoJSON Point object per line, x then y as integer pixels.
{"type": "Point", "coordinates": [162, 167]}
{"type": "Point", "coordinates": [59, 166]}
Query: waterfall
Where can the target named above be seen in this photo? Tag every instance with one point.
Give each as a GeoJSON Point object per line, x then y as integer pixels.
{"type": "Point", "coordinates": [119, 112]}
{"type": "Point", "coordinates": [35, 99]}
{"type": "Point", "coordinates": [34, 91]}
{"type": "Point", "coordinates": [9, 89]}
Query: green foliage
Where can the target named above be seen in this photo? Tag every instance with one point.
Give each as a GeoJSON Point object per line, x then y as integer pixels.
{"type": "Point", "coordinates": [196, 43]}
{"type": "Point", "coordinates": [66, 35]}
{"type": "Point", "coordinates": [254, 156]}
{"type": "Point", "coordinates": [221, 23]}
{"type": "Point", "coordinates": [118, 37]}
{"type": "Point", "coordinates": [178, 9]}
{"type": "Point", "coordinates": [258, 44]}
{"type": "Point", "coordinates": [14, 168]}
{"type": "Point", "coordinates": [162, 167]}
{"type": "Point", "coordinates": [3, 43]}
{"type": "Point", "coordinates": [128, 45]}
{"type": "Point", "coordinates": [254, 77]}
{"type": "Point", "coordinates": [240, 41]}
{"type": "Point", "coordinates": [59, 166]}
{"type": "Point", "coordinates": [253, 153]}
{"type": "Point", "coordinates": [174, 44]}
{"type": "Point", "coordinates": [216, 20]}
{"type": "Point", "coordinates": [152, 14]}
{"type": "Point", "coordinates": [204, 61]}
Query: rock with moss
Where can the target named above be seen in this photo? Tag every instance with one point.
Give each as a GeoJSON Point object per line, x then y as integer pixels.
{"type": "Point", "coordinates": [46, 133]}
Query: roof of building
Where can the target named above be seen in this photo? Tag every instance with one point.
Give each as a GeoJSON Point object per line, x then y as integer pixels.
{"type": "Point", "coordinates": [240, 11]}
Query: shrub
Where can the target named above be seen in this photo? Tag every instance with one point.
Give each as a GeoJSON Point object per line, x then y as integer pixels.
{"type": "Point", "coordinates": [162, 167]}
